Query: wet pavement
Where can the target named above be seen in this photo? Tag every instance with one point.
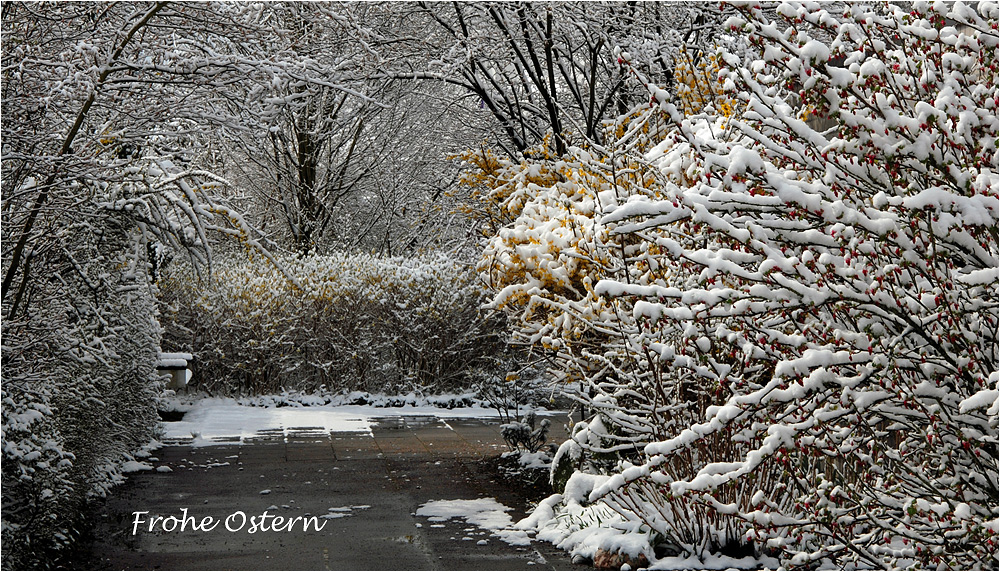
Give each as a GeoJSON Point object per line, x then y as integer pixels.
{"type": "Point", "coordinates": [365, 489]}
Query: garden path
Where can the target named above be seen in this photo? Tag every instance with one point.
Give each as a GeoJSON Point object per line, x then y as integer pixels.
{"type": "Point", "coordinates": [367, 487]}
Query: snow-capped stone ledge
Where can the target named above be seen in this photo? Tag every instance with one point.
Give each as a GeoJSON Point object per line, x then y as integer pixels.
{"type": "Point", "coordinates": [176, 366]}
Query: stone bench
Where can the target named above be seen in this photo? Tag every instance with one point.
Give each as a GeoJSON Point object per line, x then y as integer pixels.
{"type": "Point", "coordinates": [176, 366]}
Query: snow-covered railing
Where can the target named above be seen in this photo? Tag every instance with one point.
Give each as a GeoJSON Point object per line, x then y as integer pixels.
{"type": "Point", "coordinates": [176, 366]}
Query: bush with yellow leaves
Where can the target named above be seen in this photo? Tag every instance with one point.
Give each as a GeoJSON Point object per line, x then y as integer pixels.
{"type": "Point", "coordinates": [547, 247]}
{"type": "Point", "coordinates": [352, 323]}
{"type": "Point", "coordinates": [698, 87]}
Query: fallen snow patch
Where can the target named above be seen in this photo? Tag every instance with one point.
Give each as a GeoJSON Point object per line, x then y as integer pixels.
{"type": "Point", "coordinates": [343, 511]}
{"type": "Point", "coordinates": [211, 420]}
{"type": "Point", "coordinates": [215, 419]}
{"type": "Point", "coordinates": [486, 513]}
{"type": "Point", "coordinates": [135, 466]}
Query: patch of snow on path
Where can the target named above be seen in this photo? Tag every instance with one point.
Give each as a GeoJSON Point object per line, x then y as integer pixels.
{"type": "Point", "coordinates": [215, 419]}
{"type": "Point", "coordinates": [211, 420]}
{"type": "Point", "coordinates": [343, 511]}
{"type": "Point", "coordinates": [135, 466]}
{"type": "Point", "coordinates": [486, 513]}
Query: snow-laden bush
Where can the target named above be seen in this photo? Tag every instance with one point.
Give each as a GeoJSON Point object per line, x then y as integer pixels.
{"type": "Point", "coordinates": [791, 333]}
{"type": "Point", "coordinates": [351, 323]}
{"type": "Point", "coordinates": [79, 383]}
{"type": "Point", "coordinates": [101, 175]}
{"type": "Point", "coordinates": [523, 435]}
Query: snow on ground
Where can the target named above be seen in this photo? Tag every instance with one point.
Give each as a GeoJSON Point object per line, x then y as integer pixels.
{"type": "Point", "coordinates": [213, 420]}
{"type": "Point", "coordinates": [539, 460]}
{"type": "Point", "coordinates": [714, 562]}
{"type": "Point", "coordinates": [486, 513]}
{"type": "Point", "coordinates": [343, 511]}
{"type": "Point", "coordinates": [571, 522]}
{"type": "Point", "coordinates": [135, 466]}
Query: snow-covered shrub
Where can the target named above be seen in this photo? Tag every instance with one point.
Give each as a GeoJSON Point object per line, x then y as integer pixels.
{"type": "Point", "coordinates": [546, 259]}
{"type": "Point", "coordinates": [524, 435]}
{"type": "Point", "coordinates": [511, 389]}
{"type": "Point", "coordinates": [100, 182]}
{"type": "Point", "coordinates": [350, 323]}
{"type": "Point", "coordinates": [584, 529]}
{"type": "Point", "coordinates": [78, 389]}
{"type": "Point", "coordinates": [183, 402]}
{"type": "Point", "coordinates": [823, 305]}
{"type": "Point", "coordinates": [851, 288]}
{"type": "Point", "coordinates": [545, 264]}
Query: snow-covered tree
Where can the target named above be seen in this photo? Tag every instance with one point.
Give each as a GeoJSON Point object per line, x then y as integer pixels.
{"type": "Point", "coordinates": [326, 150]}
{"type": "Point", "coordinates": [101, 185]}
{"type": "Point", "coordinates": [301, 128]}
{"type": "Point", "coordinates": [540, 69]}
